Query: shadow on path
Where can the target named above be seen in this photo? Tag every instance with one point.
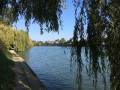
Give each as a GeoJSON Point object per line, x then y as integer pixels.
{"type": "Point", "coordinates": [25, 78]}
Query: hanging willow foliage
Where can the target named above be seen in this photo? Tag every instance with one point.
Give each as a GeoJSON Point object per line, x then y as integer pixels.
{"type": "Point", "coordinates": [47, 12]}
{"type": "Point", "coordinates": [98, 20]}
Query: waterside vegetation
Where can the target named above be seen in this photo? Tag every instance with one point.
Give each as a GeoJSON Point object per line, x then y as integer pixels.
{"type": "Point", "coordinates": [10, 39]}
{"type": "Point", "coordinates": [6, 71]}
{"type": "Point", "coordinates": [15, 39]}
{"type": "Point", "coordinates": [98, 19]}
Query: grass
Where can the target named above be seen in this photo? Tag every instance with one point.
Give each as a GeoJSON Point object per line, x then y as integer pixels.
{"type": "Point", "coordinates": [6, 72]}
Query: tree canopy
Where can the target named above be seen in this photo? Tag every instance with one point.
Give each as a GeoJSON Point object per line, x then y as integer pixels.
{"type": "Point", "coordinates": [96, 19]}
{"type": "Point", "coordinates": [47, 12]}
{"type": "Point", "coordinates": [101, 19]}
{"type": "Point", "coordinates": [17, 39]}
{"type": "Point", "coordinates": [99, 16]}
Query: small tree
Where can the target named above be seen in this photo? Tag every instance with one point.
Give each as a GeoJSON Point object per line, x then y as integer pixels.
{"type": "Point", "coordinates": [62, 41]}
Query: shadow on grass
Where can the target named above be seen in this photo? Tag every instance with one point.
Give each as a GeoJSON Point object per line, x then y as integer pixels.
{"type": "Point", "coordinates": [6, 72]}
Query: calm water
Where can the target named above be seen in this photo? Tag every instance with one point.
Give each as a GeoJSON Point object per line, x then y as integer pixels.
{"type": "Point", "coordinates": [56, 69]}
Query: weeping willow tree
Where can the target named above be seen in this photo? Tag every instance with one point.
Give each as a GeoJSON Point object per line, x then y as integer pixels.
{"type": "Point", "coordinates": [21, 40]}
{"type": "Point", "coordinates": [47, 13]}
{"type": "Point", "coordinates": [17, 39]}
{"type": "Point", "coordinates": [98, 19]}
{"type": "Point", "coordinates": [98, 22]}
{"type": "Point", "coordinates": [95, 20]}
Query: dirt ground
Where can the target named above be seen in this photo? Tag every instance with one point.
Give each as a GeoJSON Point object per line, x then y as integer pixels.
{"type": "Point", "coordinates": [25, 78]}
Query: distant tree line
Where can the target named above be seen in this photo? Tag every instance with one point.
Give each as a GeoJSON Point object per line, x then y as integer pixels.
{"type": "Point", "coordinates": [63, 42]}
{"type": "Point", "coordinates": [37, 43]}
{"type": "Point", "coordinates": [57, 42]}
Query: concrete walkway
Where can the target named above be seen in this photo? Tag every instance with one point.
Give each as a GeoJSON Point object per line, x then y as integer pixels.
{"type": "Point", "coordinates": [25, 78]}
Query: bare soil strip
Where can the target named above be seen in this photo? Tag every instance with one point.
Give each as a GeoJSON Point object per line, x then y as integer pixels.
{"type": "Point", "coordinates": [25, 78]}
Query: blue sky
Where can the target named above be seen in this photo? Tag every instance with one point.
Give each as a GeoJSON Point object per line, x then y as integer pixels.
{"type": "Point", "coordinates": [66, 32]}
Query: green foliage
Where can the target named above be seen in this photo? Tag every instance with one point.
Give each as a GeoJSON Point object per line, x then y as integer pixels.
{"type": "Point", "coordinates": [46, 12]}
{"type": "Point", "coordinates": [37, 43]}
{"type": "Point", "coordinates": [62, 41]}
{"type": "Point", "coordinates": [6, 72]}
{"type": "Point", "coordinates": [56, 41]}
{"type": "Point", "coordinates": [99, 20]}
{"type": "Point", "coordinates": [6, 16]}
{"type": "Point", "coordinates": [2, 46]}
{"type": "Point", "coordinates": [17, 39]}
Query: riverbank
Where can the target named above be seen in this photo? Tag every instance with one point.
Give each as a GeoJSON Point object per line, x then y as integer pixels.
{"type": "Point", "coordinates": [6, 72]}
{"type": "Point", "coordinates": [25, 78]}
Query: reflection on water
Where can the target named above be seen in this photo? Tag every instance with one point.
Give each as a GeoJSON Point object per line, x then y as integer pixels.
{"type": "Point", "coordinates": [75, 68]}
{"type": "Point", "coordinates": [95, 64]}
{"type": "Point", "coordinates": [25, 54]}
{"type": "Point", "coordinates": [101, 61]}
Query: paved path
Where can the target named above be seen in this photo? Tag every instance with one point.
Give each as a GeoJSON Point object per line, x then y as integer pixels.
{"type": "Point", "coordinates": [25, 78]}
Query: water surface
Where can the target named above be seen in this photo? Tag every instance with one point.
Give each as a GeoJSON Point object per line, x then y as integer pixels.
{"type": "Point", "coordinates": [56, 69]}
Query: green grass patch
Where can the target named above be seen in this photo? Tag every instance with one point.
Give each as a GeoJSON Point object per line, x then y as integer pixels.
{"type": "Point", "coordinates": [6, 72]}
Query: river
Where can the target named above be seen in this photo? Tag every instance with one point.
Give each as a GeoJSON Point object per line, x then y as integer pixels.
{"type": "Point", "coordinates": [56, 69]}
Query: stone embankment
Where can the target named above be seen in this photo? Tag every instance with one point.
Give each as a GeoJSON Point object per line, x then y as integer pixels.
{"type": "Point", "coordinates": [24, 77]}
